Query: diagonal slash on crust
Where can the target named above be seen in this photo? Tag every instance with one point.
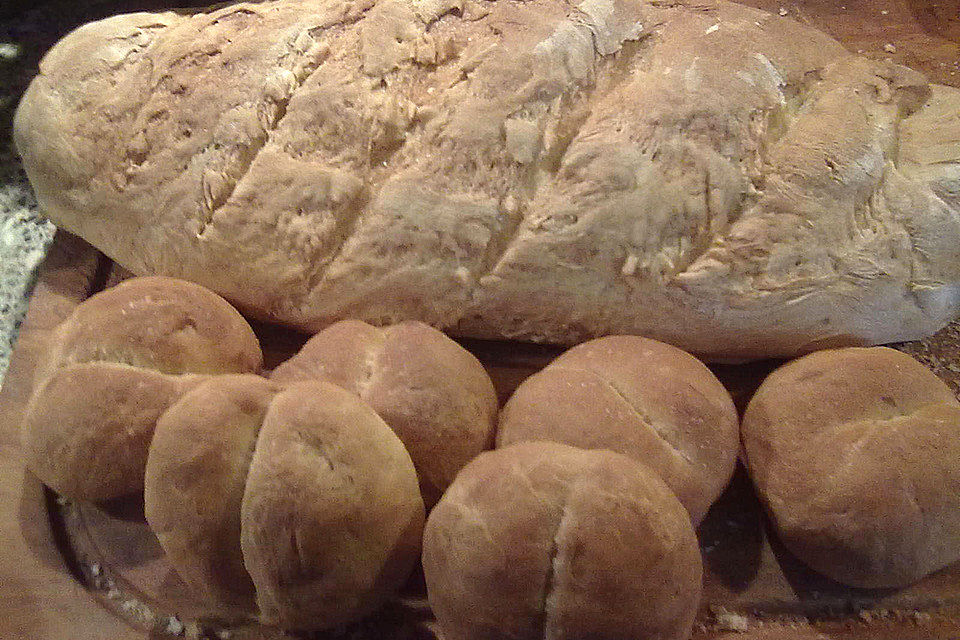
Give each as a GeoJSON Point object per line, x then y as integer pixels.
{"type": "Point", "coordinates": [272, 109]}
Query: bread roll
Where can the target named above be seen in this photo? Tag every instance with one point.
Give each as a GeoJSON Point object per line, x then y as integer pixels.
{"type": "Point", "coordinates": [639, 397]}
{"type": "Point", "coordinates": [195, 477]}
{"type": "Point", "coordinates": [113, 367]}
{"type": "Point", "coordinates": [542, 540]}
{"type": "Point", "coordinates": [705, 174]}
{"type": "Point", "coordinates": [856, 455]}
{"type": "Point", "coordinates": [300, 496]}
{"type": "Point", "coordinates": [432, 392]}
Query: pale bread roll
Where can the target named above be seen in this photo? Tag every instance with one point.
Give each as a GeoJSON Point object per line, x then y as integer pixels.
{"type": "Point", "coordinates": [856, 456]}
{"type": "Point", "coordinates": [543, 540]}
{"type": "Point", "coordinates": [433, 393]}
{"type": "Point", "coordinates": [639, 397]}
{"type": "Point", "coordinates": [164, 324]}
{"type": "Point", "coordinates": [299, 499]}
{"type": "Point", "coordinates": [112, 368]}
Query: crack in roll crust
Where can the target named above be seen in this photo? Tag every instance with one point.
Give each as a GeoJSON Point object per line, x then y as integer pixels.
{"type": "Point", "coordinates": [641, 398]}
{"type": "Point", "coordinates": [543, 541]}
{"type": "Point", "coordinates": [702, 173]}
{"type": "Point", "coordinates": [432, 392]}
{"type": "Point", "coordinates": [295, 500]}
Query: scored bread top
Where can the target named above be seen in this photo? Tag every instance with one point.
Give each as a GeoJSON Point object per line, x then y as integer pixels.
{"type": "Point", "coordinates": [544, 540]}
{"type": "Point", "coordinates": [434, 394]}
{"type": "Point", "coordinates": [703, 173]}
{"type": "Point", "coordinates": [195, 477]}
{"type": "Point", "coordinates": [639, 397]}
{"type": "Point", "coordinates": [296, 497]}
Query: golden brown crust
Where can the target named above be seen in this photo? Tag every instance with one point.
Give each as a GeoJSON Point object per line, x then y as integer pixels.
{"type": "Point", "coordinates": [433, 393]}
{"type": "Point", "coordinates": [294, 499]}
{"type": "Point", "coordinates": [702, 173]}
{"type": "Point", "coordinates": [639, 397]}
{"type": "Point", "coordinates": [542, 540]}
{"type": "Point", "coordinates": [112, 368]}
{"type": "Point", "coordinates": [163, 324]}
{"type": "Point", "coordinates": [331, 516]}
{"type": "Point", "coordinates": [344, 353]}
{"type": "Point", "coordinates": [855, 454]}
{"type": "Point", "coordinates": [88, 428]}
{"type": "Point", "coordinates": [194, 483]}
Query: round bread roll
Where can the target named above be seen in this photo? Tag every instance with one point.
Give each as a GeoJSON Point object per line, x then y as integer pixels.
{"type": "Point", "coordinates": [195, 478]}
{"type": "Point", "coordinates": [432, 392]}
{"type": "Point", "coordinates": [543, 540]}
{"type": "Point", "coordinates": [639, 397]}
{"type": "Point", "coordinates": [298, 498]}
{"type": "Point", "coordinates": [113, 367]}
{"type": "Point", "coordinates": [856, 455]}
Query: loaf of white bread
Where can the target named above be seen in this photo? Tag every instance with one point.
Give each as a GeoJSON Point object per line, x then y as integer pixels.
{"type": "Point", "coordinates": [703, 173]}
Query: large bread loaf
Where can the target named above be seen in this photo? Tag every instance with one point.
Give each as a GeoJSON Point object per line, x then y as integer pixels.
{"type": "Point", "coordinates": [702, 173]}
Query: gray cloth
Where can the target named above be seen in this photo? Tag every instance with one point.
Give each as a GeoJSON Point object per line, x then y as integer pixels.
{"type": "Point", "coordinates": [24, 235]}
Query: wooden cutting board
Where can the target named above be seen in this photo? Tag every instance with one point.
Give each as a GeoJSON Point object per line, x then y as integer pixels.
{"type": "Point", "coordinates": [81, 571]}
{"type": "Point", "coordinates": [84, 572]}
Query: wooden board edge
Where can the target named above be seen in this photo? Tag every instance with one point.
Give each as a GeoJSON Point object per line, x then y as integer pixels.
{"type": "Point", "coordinates": [41, 599]}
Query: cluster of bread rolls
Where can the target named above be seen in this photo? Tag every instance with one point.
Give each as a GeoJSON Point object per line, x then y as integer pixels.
{"type": "Point", "coordinates": [289, 497]}
{"type": "Point", "coordinates": [307, 495]}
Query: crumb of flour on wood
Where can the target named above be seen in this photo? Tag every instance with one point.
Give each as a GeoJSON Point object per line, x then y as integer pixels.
{"type": "Point", "coordinates": [725, 620]}
{"type": "Point", "coordinates": [174, 626]}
